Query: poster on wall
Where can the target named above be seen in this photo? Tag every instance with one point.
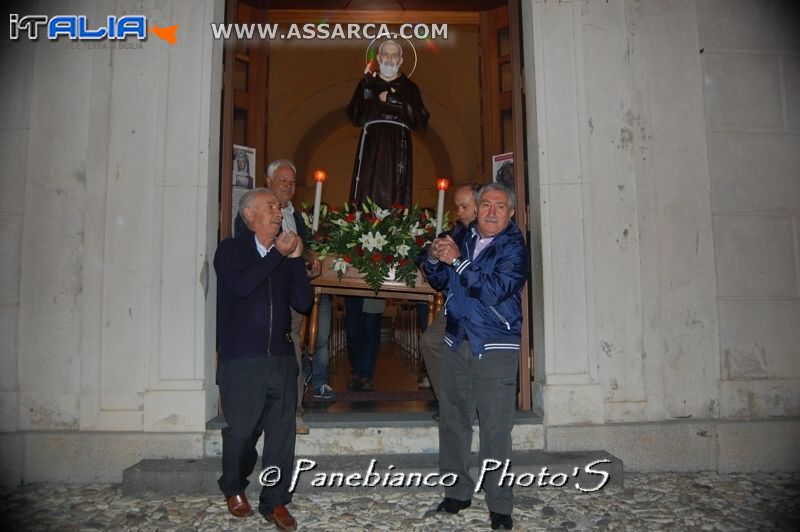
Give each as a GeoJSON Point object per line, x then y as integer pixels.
{"type": "Point", "coordinates": [503, 169]}
{"type": "Point", "coordinates": [244, 171]}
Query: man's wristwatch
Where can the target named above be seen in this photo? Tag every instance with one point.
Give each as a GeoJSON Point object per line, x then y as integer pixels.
{"type": "Point", "coordinates": [456, 263]}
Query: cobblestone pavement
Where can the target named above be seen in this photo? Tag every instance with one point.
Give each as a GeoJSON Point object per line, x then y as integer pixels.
{"type": "Point", "coordinates": [693, 501]}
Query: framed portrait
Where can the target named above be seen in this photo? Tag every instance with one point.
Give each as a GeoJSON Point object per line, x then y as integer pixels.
{"type": "Point", "coordinates": [503, 169]}
{"type": "Point", "coordinates": [243, 176]}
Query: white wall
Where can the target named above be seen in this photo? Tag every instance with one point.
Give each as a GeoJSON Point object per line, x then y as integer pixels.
{"type": "Point", "coordinates": [118, 152]}
{"type": "Point", "coordinates": [751, 81]}
{"type": "Point", "coordinates": [15, 101]}
{"type": "Point", "coordinates": [668, 189]}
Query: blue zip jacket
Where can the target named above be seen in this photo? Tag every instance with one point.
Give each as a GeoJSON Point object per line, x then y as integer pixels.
{"type": "Point", "coordinates": [253, 298]}
{"type": "Point", "coordinates": [483, 304]}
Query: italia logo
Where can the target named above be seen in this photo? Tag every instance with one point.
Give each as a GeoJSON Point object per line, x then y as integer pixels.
{"type": "Point", "coordinates": [77, 28]}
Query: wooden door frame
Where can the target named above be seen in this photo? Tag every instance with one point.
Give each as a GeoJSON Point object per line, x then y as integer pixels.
{"type": "Point", "coordinates": [521, 186]}
{"type": "Point", "coordinates": [390, 17]}
{"type": "Point", "coordinates": [226, 172]}
{"type": "Point", "coordinates": [492, 103]}
{"type": "Point", "coordinates": [232, 99]}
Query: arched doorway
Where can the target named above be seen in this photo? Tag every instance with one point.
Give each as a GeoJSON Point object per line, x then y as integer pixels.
{"type": "Point", "coordinates": [473, 112]}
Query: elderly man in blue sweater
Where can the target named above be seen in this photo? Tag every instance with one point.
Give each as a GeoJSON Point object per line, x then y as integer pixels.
{"type": "Point", "coordinates": [260, 273]}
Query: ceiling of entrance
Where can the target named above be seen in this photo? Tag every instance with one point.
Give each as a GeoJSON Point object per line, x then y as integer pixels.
{"type": "Point", "coordinates": [380, 5]}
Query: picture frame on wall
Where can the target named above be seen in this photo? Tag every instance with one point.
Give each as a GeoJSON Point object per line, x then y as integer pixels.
{"type": "Point", "coordinates": [243, 177]}
{"type": "Point", "coordinates": [503, 169]}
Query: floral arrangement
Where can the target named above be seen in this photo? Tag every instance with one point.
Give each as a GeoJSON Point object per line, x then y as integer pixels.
{"type": "Point", "coordinates": [375, 241]}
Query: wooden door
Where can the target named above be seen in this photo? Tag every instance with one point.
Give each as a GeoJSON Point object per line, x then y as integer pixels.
{"type": "Point", "coordinates": [503, 106]}
{"type": "Point", "coordinates": [244, 104]}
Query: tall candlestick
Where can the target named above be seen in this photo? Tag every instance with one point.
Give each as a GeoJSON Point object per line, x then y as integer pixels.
{"type": "Point", "coordinates": [319, 177]}
{"type": "Point", "coordinates": [442, 185]}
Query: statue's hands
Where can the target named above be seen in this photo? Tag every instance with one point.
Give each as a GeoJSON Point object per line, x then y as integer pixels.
{"type": "Point", "coordinates": [382, 96]}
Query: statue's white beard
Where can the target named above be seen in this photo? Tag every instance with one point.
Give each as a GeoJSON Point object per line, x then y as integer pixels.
{"type": "Point", "coordinates": [389, 70]}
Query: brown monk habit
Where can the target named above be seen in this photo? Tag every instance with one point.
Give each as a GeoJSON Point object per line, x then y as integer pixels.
{"type": "Point", "coordinates": [384, 149]}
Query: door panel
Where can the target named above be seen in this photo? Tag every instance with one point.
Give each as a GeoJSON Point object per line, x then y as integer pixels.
{"type": "Point", "coordinates": [503, 132]}
{"type": "Point", "coordinates": [244, 105]}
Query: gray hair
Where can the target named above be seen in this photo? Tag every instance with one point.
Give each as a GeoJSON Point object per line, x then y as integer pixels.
{"type": "Point", "coordinates": [389, 41]}
{"type": "Point", "coordinates": [249, 197]}
{"type": "Point", "coordinates": [512, 198]}
{"type": "Point", "coordinates": [280, 163]}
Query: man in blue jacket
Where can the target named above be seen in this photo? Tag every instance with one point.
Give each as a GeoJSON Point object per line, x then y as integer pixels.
{"type": "Point", "coordinates": [483, 279]}
{"type": "Point", "coordinates": [260, 273]}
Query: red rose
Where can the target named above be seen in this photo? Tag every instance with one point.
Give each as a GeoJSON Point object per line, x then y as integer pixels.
{"type": "Point", "coordinates": [317, 237]}
{"type": "Point", "coordinates": [398, 206]}
{"type": "Point", "coordinates": [376, 257]}
{"type": "Point", "coordinates": [350, 217]}
{"type": "Point", "coordinates": [347, 259]}
{"type": "Point", "coordinates": [403, 263]}
{"type": "Point", "coordinates": [423, 216]}
{"type": "Point", "coordinates": [388, 259]}
{"type": "Point", "coordinates": [420, 241]}
{"type": "Point", "coordinates": [359, 251]}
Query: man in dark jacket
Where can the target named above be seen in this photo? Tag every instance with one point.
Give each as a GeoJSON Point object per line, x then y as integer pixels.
{"type": "Point", "coordinates": [430, 343]}
{"type": "Point", "coordinates": [483, 278]}
{"type": "Point", "coordinates": [260, 274]}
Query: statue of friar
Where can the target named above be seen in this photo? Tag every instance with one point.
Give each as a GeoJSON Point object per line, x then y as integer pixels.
{"type": "Point", "coordinates": [387, 106]}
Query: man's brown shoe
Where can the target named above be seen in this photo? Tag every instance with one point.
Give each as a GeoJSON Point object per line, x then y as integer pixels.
{"type": "Point", "coordinates": [282, 518]}
{"type": "Point", "coordinates": [238, 505]}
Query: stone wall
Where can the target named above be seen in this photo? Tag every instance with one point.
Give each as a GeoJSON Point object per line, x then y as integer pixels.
{"type": "Point", "coordinates": [751, 82]}
{"type": "Point", "coordinates": [109, 210]}
{"type": "Point", "coordinates": [666, 185]}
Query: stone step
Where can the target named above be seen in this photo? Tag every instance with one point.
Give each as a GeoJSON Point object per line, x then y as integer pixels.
{"type": "Point", "coordinates": [371, 433]}
{"type": "Point", "coordinates": [584, 470]}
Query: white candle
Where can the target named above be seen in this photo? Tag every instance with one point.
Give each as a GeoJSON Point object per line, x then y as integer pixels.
{"type": "Point", "coordinates": [319, 177]}
{"type": "Point", "coordinates": [317, 201]}
{"type": "Point", "coordinates": [439, 212]}
{"type": "Point", "coordinates": [442, 184]}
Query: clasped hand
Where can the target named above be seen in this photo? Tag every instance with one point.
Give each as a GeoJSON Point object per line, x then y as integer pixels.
{"type": "Point", "coordinates": [444, 249]}
{"type": "Point", "coordinates": [289, 244]}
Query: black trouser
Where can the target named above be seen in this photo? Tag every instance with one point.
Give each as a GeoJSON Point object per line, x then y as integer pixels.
{"type": "Point", "coordinates": [363, 337]}
{"type": "Point", "coordinates": [431, 345]}
{"type": "Point", "coordinates": [488, 384]}
{"type": "Point", "coordinates": [258, 394]}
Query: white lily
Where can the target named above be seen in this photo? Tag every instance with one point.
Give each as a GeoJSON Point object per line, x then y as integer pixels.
{"type": "Point", "coordinates": [416, 230]}
{"type": "Point", "coordinates": [371, 242]}
{"type": "Point", "coordinates": [380, 240]}
{"type": "Point", "coordinates": [339, 265]}
{"type": "Point", "coordinates": [367, 241]}
{"type": "Point", "coordinates": [380, 214]}
{"type": "Point", "coordinates": [403, 249]}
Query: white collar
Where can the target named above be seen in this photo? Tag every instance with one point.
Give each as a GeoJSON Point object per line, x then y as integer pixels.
{"type": "Point", "coordinates": [262, 249]}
